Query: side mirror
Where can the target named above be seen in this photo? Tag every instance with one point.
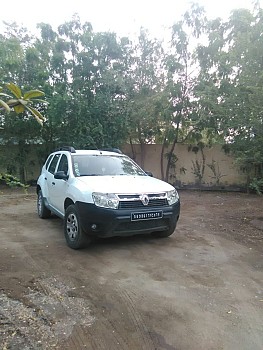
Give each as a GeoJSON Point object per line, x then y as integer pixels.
{"type": "Point", "coordinates": [60, 175]}
{"type": "Point", "coordinates": [149, 173]}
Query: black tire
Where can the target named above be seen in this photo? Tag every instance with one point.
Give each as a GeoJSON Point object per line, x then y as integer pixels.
{"type": "Point", "coordinates": [75, 236]}
{"type": "Point", "coordinates": [42, 210]}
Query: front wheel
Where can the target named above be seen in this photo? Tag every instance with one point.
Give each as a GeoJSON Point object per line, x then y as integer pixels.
{"type": "Point", "coordinates": [75, 236]}
{"type": "Point", "coordinates": [42, 210]}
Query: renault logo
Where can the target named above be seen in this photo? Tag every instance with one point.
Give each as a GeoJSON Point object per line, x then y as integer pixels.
{"type": "Point", "coordinates": [144, 199]}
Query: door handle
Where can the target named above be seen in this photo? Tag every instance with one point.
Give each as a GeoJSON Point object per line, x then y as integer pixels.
{"type": "Point", "coordinates": [45, 178]}
{"type": "Point", "coordinates": [53, 183]}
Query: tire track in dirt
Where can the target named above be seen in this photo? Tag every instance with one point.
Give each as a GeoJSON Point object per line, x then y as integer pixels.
{"type": "Point", "coordinates": [81, 335]}
{"type": "Point", "coordinates": [119, 323]}
{"type": "Point", "coordinates": [120, 329]}
{"type": "Point", "coordinates": [52, 314]}
{"type": "Point", "coordinates": [48, 289]}
{"type": "Point", "coordinates": [66, 312]}
{"type": "Point", "coordinates": [134, 305]}
{"type": "Point", "coordinates": [137, 320]}
{"type": "Point", "coordinates": [241, 314]}
{"type": "Point", "coordinates": [44, 297]}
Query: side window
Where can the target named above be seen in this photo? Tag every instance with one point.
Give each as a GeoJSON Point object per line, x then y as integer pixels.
{"type": "Point", "coordinates": [53, 163]}
{"type": "Point", "coordinates": [48, 161]}
{"type": "Point", "coordinates": [63, 164]}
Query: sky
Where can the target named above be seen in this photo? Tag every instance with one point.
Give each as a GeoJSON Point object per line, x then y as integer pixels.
{"type": "Point", "coordinates": [123, 17]}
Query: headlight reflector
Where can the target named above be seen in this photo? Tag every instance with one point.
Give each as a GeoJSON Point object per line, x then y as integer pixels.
{"type": "Point", "coordinates": [105, 200]}
{"type": "Point", "coordinates": [172, 197]}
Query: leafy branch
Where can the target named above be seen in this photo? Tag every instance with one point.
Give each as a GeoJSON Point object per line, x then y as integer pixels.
{"type": "Point", "coordinates": [214, 166]}
{"type": "Point", "coordinates": [22, 102]}
{"type": "Point", "coordinates": [12, 181]}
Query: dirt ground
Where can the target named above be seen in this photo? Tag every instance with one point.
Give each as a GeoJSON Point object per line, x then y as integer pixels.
{"type": "Point", "coordinates": [201, 288]}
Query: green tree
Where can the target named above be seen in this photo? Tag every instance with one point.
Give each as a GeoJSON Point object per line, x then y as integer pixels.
{"type": "Point", "coordinates": [181, 120]}
{"type": "Point", "coordinates": [231, 85]}
{"type": "Point", "coordinates": [20, 63]}
{"type": "Point", "coordinates": [86, 73]}
{"type": "Point", "coordinates": [16, 129]}
{"type": "Point", "coordinates": [145, 82]}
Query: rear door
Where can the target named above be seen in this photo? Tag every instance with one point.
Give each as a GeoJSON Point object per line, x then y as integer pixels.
{"type": "Point", "coordinates": [50, 180]}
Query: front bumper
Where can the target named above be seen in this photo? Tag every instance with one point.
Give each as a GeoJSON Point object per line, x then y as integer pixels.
{"type": "Point", "coordinates": [101, 222]}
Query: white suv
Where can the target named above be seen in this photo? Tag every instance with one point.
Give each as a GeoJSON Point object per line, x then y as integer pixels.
{"type": "Point", "coordinates": [103, 194]}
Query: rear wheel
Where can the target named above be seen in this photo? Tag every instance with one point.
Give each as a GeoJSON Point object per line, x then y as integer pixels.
{"type": "Point", "coordinates": [75, 236]}
{"type": "Point", "coordinates": [42, 210]}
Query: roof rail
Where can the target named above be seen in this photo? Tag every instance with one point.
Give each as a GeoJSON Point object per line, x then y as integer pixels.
{"type": "Point", "coordinates": [66, 148]}
{"type": "Point", "coordinates": [109, 149]}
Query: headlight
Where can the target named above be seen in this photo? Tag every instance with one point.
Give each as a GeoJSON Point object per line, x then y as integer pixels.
{"type": "Point", "coordinates": [172, 197]}
{"type": "Point", "coordinates": [105, 200]}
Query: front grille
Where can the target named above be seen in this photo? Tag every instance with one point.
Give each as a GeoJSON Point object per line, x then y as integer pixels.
{"type": "Point", "coordinates": [142, 225]}
{"type": "Point", "coordinates": [132, 201]}
{"type": "Point", "coordinates": [138, 204]}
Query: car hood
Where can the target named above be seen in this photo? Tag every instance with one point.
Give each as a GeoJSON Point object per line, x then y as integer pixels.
{"type": "Point", "coordinates": [124, 184]}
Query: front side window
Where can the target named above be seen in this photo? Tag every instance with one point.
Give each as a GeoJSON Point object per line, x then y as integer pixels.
{"type": "Point", "coordinates": [63, 164]}
{"type": "Point", "coordinates": [53, 163]}
{"type": "Point", "coordinates": [101, 165]}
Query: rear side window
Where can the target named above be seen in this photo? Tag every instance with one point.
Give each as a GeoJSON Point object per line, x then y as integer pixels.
{"type": "Point", "coordinates": [53, 163]}
{"type": "Point", "coordinates": [48, 161]}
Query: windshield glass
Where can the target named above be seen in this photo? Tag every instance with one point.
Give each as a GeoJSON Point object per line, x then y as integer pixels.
{"type": "Point", "coordinates": [100, 165]}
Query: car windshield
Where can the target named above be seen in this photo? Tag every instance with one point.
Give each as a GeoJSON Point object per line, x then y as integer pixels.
{"type": "Point", "coordinates": [101, 165]}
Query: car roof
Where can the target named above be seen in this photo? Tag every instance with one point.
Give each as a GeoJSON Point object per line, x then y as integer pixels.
{"type": "Point", "coordinates": [97, 152]}
{"type": "Point", "coordinates": [90, 152]}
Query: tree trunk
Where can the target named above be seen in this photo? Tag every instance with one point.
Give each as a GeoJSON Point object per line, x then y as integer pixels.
{"type": "Point", "coordinates": [170, 154]}
{"type": "Point", "coordinates": [162, 156]}
{"type": "Point", "coordinates": [203, 158]}
{"type": "Point", "coordinates": [142, 144]}
{"type": "Point", "coordinates": [169, 160]}
{"type": "Point", "coordinates": [142, 154]}
{"type": "Point", "coordinates": [22, 158]}
{"type": "Point", "coordinates": [133, 150]}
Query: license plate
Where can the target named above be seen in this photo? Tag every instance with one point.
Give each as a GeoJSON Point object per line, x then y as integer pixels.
{"type": "Point", "coordinates": [146, 215]}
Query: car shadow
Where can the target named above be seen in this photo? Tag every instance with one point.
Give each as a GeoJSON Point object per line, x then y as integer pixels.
{"type": "Point", "coordinates": [120, 242]}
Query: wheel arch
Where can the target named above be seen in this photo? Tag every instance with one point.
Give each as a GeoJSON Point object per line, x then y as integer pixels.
{"type": "Point", "coordinates": [67, 203]}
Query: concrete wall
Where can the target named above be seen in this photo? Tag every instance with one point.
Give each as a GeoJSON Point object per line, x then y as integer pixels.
{"type": "Point", "coordinates": [32, 164]}
{"type": "Point", "coordinates": [227, 173]}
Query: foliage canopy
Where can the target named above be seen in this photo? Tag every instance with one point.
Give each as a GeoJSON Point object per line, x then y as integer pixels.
{"type": "Point", "coordinates": [105, 90]}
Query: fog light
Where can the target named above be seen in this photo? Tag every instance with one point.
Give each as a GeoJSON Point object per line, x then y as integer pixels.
{"type": "Point", "coordinates": [93, 227]}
